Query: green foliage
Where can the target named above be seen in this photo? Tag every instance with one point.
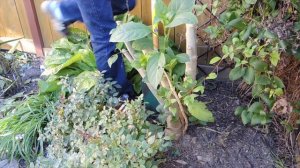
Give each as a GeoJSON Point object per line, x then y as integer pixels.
{"type": "Point", "coordinates": [23, 121]}
{"type": "Point", "coordinates": [71, 74]}
{"type": "Point", "coordinates": [155, 68]}
{"type": "Point", "coordinates": [253, 115]}
{"type": "Point", "coordinates": [129, 32]}
{"type": "Point", "coordinates": [200, 111]}
{"type": "Point", "coordinates": [87, 131]}
{"type": "Point", "coordinates": [255, 46]}
{"type": "Point", "coordinates": [63, 61]}
{"type": "Point", "coordinates": [177, 13]}
{"type": "Point", "coordinates": [69, 56]}
{"type": "Point", "coordinates": [166, 62]}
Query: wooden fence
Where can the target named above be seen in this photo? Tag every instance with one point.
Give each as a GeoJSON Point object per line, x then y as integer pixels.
{"type": "Point", "coordinates": [14, 23]}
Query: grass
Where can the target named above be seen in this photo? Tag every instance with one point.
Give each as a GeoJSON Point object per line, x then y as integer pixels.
{"type": "Point", "coordinates": [20, 127]}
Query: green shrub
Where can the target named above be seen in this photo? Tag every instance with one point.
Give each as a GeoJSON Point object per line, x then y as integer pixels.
{"type": "Point", "coordinates": [258, 34]}
{"type": "Point", "coordinates": [87, 131]}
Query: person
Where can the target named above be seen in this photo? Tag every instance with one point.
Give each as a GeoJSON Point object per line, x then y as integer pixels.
{"type": "Point", "coordinates": [97, 15]}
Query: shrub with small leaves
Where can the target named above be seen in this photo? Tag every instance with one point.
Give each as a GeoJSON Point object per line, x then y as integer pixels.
{"type": "Point", "coordinates": [88, 131]}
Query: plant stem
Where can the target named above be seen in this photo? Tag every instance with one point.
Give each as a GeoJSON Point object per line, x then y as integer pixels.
{"type": "Point", "coordinates": [182, 114]}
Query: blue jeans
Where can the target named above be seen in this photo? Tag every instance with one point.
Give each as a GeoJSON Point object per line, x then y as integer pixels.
{"type": "Point", "coordinates": [98, 18]}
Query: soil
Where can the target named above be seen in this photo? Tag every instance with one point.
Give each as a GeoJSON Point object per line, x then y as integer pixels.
{"type": "Point", "coordinates": [227, 143]}
{"type": "Point", "coordinates": [27, 72]}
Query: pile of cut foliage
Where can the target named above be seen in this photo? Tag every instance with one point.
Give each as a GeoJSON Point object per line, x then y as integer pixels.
{"type": "Point", "coordinates": [72, 120]}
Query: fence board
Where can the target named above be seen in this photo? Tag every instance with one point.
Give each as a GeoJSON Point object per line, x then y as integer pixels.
{"type": "Point", "coordinates": [14, 23]}
{"type": "Point", "coordinates": [10, 19]}
{"type": "Point", "coordinates": [146, 11]}
{"type": "Point", "coordinates": [2, 26]}
{"type": "Point", "coordinates": [44, 24]}
{"type": "Point", "coordinates": [137, 11]}
{"type": "Point", "coordinates": [23, 19]}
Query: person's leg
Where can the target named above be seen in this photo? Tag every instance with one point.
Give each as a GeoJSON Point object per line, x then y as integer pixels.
{"type": "Point", "coordinates": [70, 11]}
{"type": "Point", "coordinates": [122, 6]}
{"type": "Point", "coordinates": [66, 12]}
{"type": "Point", "coordinates": [63, 13]}
{"type": "Point", "coordinates": [98, 18]}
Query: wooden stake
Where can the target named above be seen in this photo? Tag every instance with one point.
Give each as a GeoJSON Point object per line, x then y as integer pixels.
{"type": "Point", "coordinates": [191, 50]}
{"type": "Point", "coordinates": [154, 26]}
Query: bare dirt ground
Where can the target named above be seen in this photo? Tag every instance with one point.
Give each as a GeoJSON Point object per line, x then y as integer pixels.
{"type": "Point", "coordinates": [227, 143]}
{"type": "Point", "coordinates": [23, 70]}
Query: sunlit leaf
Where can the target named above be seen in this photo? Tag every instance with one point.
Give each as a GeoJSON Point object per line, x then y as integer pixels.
{"type": "Point", "coordinates": [215, 60]}
{"type": "Point", "coordinates": [112, 59]}
{"type": "Point", "coordinates": [200, 111]}
{"type": "Point", "coordinates": [155, 68]}
{"type": "Point", "coordinates": [211, 76]}
{"type": "Point", "coordinates": [129, 32]}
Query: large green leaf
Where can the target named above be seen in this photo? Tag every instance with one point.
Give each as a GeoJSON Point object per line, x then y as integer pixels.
{"type": "Point", "coordinates": [160, 11]}
{"type": "Point", "coordinates": [200, 111]}
{"type": "Point", "coordinates": [86, 80]}
{"type": "Point", "coordinates": [181, 6]}
{"type": "Point", "coordinates": [183, 18]}
{"type": "Point", "coordinates": [262, 80]}
{"type": "Point", "coordinates": [256, 119]}
{"type": "Point", "coordinates": [238, 111]}
{"type": "Point", "coordinates": [256, 107]}
{"type": "Point", "coordinates": [48, 86]}
{"type": "Point", "coordinates": [179, 69]}
{"type": "Point", "coordinates": [129, 32]}
{"type": "Point", "coordinates": [88, 57]}
{"type": "Point", "coordinates": [237, 23]}
{"type": "Point", "coordinates": [268, 101]}
{"type": "Point", "coordinates": [249, 75]}
{"type": "Point", "coordinates": [278, 82]}
{"type": "Point", "coordinates": [55, 70]}
{"type": "Point", "coordinates": [258, 65]}
{"type": "Point", "coordinates": [246, 117]}
{"type": "Point", "coordinates": [236, 73]}
{"type": "Point", "coordinates": [247, 32]}
{"type": "Point", "coordinates": [182, 58]}
{"type": "Point", "coordinates": [256, 90]}
{"type": "Point", "coordinates": [155, 68]}
{"type": "Point", "coordinates": [274, 57]}
{"type": "Point", "coordinates": [143, 44]}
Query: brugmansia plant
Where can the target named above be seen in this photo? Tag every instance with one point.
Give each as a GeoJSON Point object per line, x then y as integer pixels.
{"type": "Point", "coordinates": [169, 75]}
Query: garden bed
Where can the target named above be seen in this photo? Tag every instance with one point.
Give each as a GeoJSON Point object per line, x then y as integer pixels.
{"type": "Point", "coordinates": [227, 142]}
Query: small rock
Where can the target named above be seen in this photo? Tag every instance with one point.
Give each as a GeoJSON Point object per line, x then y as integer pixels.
{"type": "Point", "coordinates": [181, 162]}
{"type": "Point", "coordinates": [187, 137]}
{"type": "Point", "coordinates": [204, 159]}
{"type": "Point", "coordinates": [199, 158]}
{"type": "Point", "coordinates": [194, 140]}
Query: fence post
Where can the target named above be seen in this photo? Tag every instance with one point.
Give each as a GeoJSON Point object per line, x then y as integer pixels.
{"type": "Point", "coordinates": [34, 27]}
